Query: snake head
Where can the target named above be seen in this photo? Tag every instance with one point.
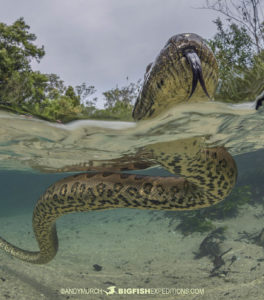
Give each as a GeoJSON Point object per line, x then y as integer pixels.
{"type": "Point", "coordinates": [173, 77]}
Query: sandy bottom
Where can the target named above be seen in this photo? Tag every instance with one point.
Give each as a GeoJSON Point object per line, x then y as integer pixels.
{"type": "Point", "coordinates": [128, 249]}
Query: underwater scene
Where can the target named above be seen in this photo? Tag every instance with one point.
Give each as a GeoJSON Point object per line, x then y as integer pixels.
{"type": "Point", "coordinates": [214, 252]}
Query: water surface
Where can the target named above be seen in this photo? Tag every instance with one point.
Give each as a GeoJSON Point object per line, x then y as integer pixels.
{"type": "Point", "coordinates": [27, 143]}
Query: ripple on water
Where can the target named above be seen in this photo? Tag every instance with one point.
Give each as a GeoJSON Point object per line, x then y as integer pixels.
{"type": "Point", "coordinates": [28, 143]}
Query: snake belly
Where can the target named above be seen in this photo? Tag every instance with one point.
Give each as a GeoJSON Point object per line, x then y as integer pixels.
{"type": "Point", "coordinates": [206, 176]}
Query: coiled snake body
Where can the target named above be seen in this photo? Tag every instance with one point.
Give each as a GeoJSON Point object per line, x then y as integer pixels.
{"type": "Point", "coordinates": [206, 175]}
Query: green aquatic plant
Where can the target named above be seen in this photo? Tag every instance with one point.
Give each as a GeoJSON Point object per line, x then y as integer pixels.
{"type": "Point", "coordinates": [202, 220]}
{"type": "Point", "coordinates": [231, 206]}
{"type": "Point", "coordinates": [194, 222]}
{"type": "Point", "coordinates": [252, 174]}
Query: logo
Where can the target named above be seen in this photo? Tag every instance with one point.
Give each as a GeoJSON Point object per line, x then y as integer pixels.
{"type": "Point", "coordinates": [110, 290]}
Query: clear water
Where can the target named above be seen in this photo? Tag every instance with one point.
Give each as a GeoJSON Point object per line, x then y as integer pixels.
{"type": "Point", "coordinates": [129, 248]}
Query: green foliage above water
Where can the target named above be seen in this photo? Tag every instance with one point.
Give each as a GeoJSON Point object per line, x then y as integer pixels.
{"type": "Point", "coordinates": [243, 86]}
{"type": "Point", "coordinates": [232, 47]}
{"type": "Point", "coordinates": [120, 111]}
{"type": "Point", "coordinates": [17, 80]}
{"type": "Point", "coordinates": [25, 91]}
{"type": "Point", "coordinates": [238, 47]}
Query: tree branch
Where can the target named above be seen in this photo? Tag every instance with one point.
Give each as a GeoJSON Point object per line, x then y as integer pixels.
{"type": "Point", "coordinates": [244, 13]}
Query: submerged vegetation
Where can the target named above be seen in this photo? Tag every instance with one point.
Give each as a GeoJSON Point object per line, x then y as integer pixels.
{"type": "Point", "coordinates": [231, 206]}
{"type": "Point", "coordinates": [194, 222]}
{"type": "Point", "coordinates": [236, 45]}
{"type": "Point", "coordinates": [202, 220]}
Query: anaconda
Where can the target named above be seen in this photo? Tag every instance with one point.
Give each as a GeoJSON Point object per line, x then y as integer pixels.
{"type": "Point", "coordinates": [184, 71]}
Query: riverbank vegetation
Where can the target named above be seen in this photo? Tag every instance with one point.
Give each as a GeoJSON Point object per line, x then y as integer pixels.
{"type": "Point", "coordinates": [238, 46]}
{"type": "Point", "coordinates": [25, 91]}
